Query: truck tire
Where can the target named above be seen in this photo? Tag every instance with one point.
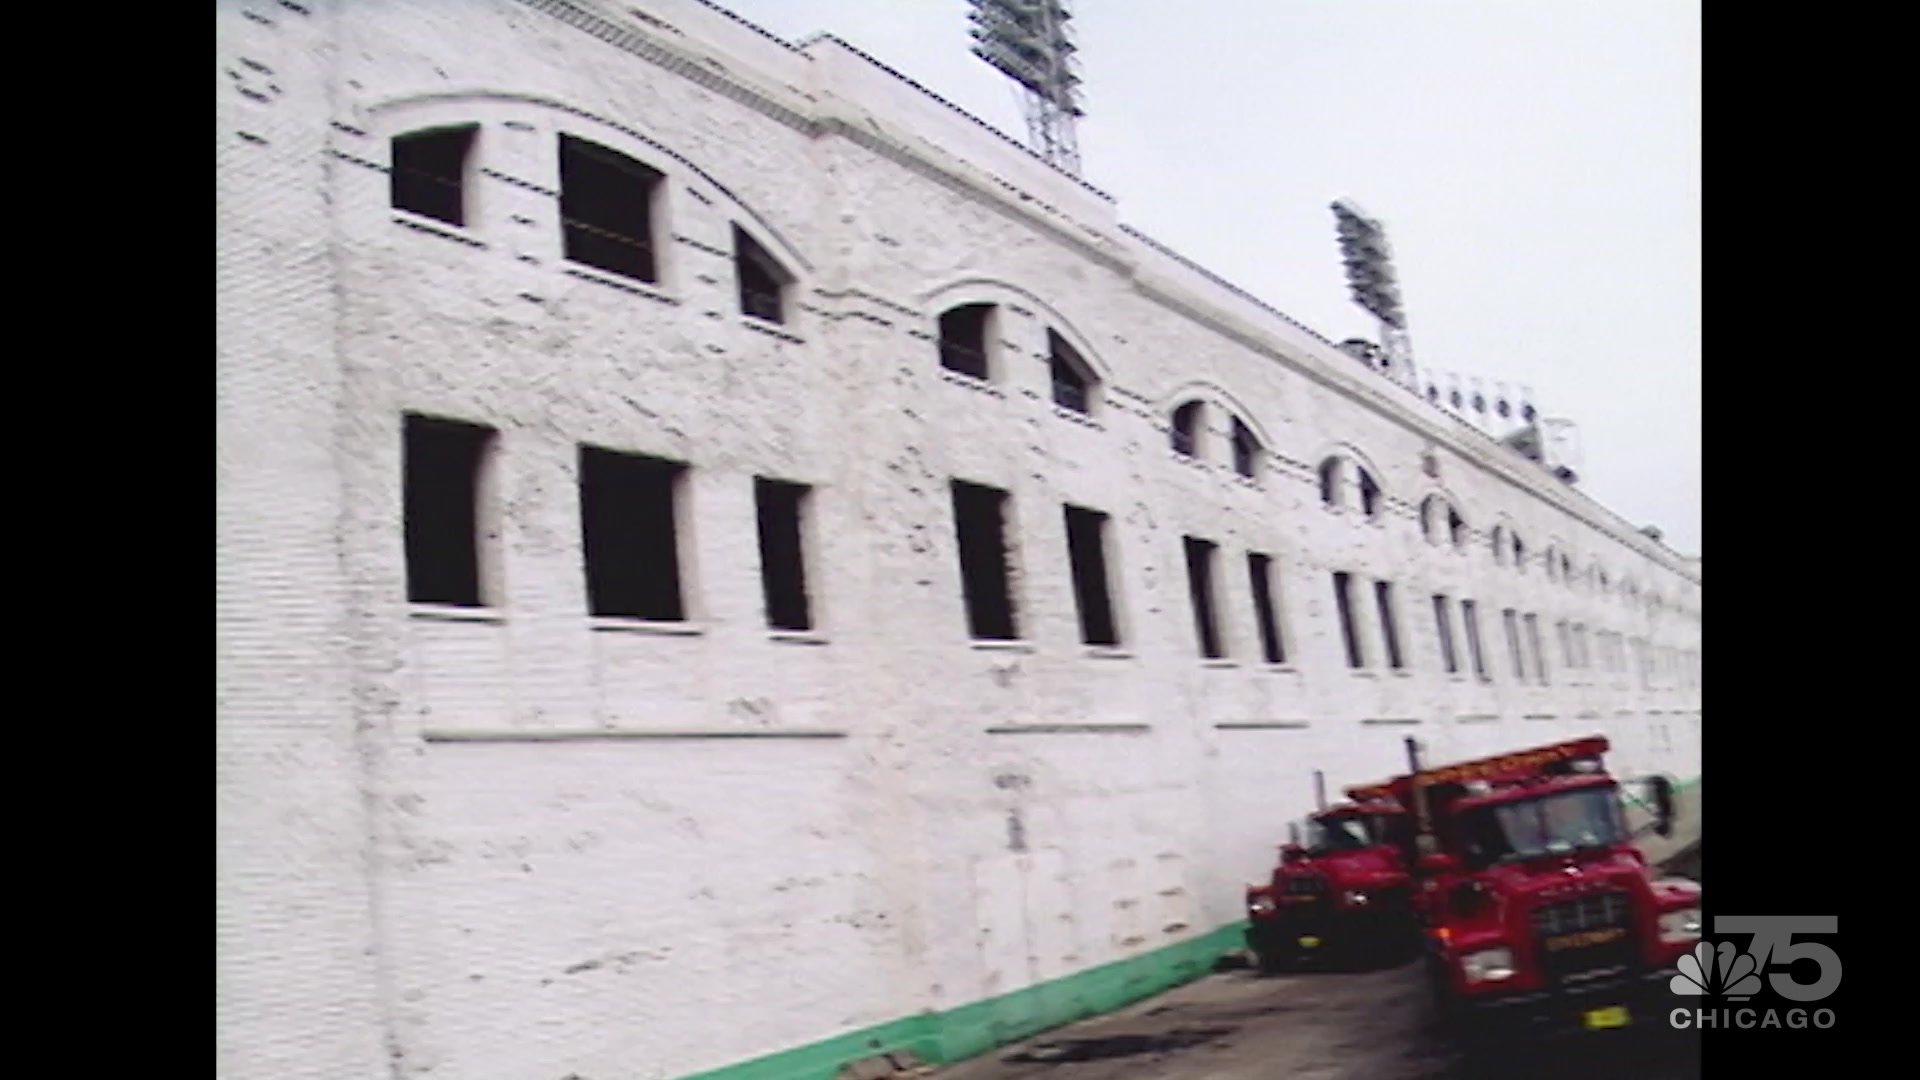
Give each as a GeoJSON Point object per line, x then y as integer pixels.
{"type": "Point", "coordinates": [1273, 962]}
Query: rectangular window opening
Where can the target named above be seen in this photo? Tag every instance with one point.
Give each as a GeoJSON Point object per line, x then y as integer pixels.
{"type": "Point", "coordinates": [1470, 615]}
{"type": "Point", "coordinates": [1539, 655]}
{"type": "Point", "coordinates": [1350, 633]}
{"type": "Point", "coordinates": [1200, 585]}
{"type": "Point", "coordinates": [1087, 552]}
{"type": "Point", "coordinates": [1444, 625]}
{"type": "Point", "coordinates": [429, 174]}
{"type": "Point", "coordinates": [629, 535]}
{"type": "Point", "coordinates": [442, 463]}
{"type": "Point", "coordinates": [980, 527]}
{"type": "Point", "coordinates": [1260, 569]}
{"type": "Point", "coordinates": [606, 209]}
{"type": "Point", "coordinates": [782, 510]}
{"type": "Point", "coordinates": [1389, 626]}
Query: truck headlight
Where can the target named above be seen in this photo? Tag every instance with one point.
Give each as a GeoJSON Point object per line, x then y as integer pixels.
{"type": "Point", "coordinates": [1355, 898]}
{"type": "Point", "coordinates": [1678, 926]}
{"type": "Point", "coordinates": [1488, 965]}
{"type": "Point", "coordinates": [1261, 905]}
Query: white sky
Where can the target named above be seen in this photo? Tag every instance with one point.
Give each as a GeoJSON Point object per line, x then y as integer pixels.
{"type": "Point", "coordinates": [1536, 164]}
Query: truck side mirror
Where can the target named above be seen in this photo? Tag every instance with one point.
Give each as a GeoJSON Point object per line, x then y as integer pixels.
{"type": "Point", "coordinates": [1660, 797]}
{"type": "Point", "coordinates": [1292, 853]}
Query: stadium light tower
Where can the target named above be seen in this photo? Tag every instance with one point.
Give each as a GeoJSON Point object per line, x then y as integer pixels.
{"type": "Point", "coordinates": [1370, 278]}
{"type": "Point", "coordinates": [1026, 40]}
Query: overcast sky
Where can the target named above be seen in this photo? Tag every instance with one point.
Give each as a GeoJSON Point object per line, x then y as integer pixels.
{"type": "Point", "coordinates": [1536, 164]}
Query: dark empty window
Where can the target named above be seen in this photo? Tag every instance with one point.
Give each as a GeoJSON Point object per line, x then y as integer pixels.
{"type": "Point", "coordinates": [606, 209]}
{"type": "Point", "coordinates": [1470, 615]}
{"type": "Point", "coordinates": [1246, 449]}
{"type": "Point", "coordinates": [1186, 429]}
{"type": "Point", "coordinates": [1349, 633]}
{"type": "Point", "coordinates": [963, 339]}
{"type": "Point", "coordinates": [1330, 482]}
{"type": "Point", "coordinates": [783, 571]}
{"type": "Point", "coordinates": [430, 172]}
{"type": "Point", "coordinates": [980, 526]}
{"type": "Point", "coordinates": [1539, 654]}
{"type": "Point", "coordinates": [1389, 626]}
{"type": "Point", "coordinates": [1369, 494]}
{"type": "Point", "coordinates": [1260, 569]}
{"type": "Point", "coordinates": [442, 465]}
{"type": "Point", "coordinates": [1456, 527]}
{"type": "Point", "coordinates": [1519, 554]}
{"type": "Point", "coordinates": [1200, 585]}
{"type": "Point", "coordinates": [1071, 383]}
{"type": "Point", "coordinates": [763, 282]}
{"type": "Point", "coordinates": [1511, 620]}
{"type": "Point", "coordinates": [1444, 624]}
{"type": "Point", "coordinates": [1087, 551]}
{"type": "Point", "coordinates": [629, 535]}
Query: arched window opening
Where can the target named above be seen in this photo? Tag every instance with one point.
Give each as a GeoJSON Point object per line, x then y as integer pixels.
{"type": "Point", "coordinates": [1186, 430]}
{"type": "Point", "coordinates": [1330, 482]}
{"type": "Point", "coordinates": [763, 281]}
{"type": "Point", "coordinates": [1072, 382]}
{"type": "Point", "coordinates": [963, 339]}
{"type": "Point", "coordinates": [606, 209]}
{"type": "Point", "coordinates": [1519, 554]}
{"type": "Point", "coordinates": [1369, 494]}
{"type": "Point", "coordinates": [1246, 450]}
{"type": "Point", "coordinates": [429, 175]}
{"type": "Point", "coordinates": [1456, 527]}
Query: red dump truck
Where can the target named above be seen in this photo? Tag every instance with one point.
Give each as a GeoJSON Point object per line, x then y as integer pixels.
{"type": "Point", "coordinates": [1541, 915]}
{"type": "Point", "coordinates": [1342, 891]}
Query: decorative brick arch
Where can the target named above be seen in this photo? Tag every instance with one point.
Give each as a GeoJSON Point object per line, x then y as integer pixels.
{"type": "Point", "coordinates": [1439, 497]}
{"type": "Point", "coordinates": [979, 289]}
{"type": "Point", "coordinates": [397, 115]}
{"type": "Point", "coordinates": [1212, 393]}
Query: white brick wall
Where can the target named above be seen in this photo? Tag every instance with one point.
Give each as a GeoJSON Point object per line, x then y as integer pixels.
{"type": "Point", "coordinates": [648, 906]}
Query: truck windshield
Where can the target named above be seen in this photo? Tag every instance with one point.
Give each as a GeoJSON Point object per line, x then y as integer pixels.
{"type": "Point", "coordinates": [1337, 834]}
{"type": "Point", "coordinates": [1544, 825]}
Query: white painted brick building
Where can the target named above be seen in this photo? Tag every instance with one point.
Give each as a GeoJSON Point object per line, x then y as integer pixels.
{"type": "Point", "coordinates": [504, 837]}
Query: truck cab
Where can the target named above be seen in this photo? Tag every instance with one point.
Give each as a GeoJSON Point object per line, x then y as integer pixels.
{"type": "Point", "coordinates": [1542, 916]}
{"type": "Point", "coordinates": [1342, 888]}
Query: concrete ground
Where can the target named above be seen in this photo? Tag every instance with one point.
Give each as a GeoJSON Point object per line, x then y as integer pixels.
{"type": "Point", "coordinates": [1238, 1025]}
{"type": "Point", "coordinates": [1358, 1025]}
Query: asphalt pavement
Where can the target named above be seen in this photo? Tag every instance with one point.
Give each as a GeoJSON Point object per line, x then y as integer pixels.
{"type": "Point", "coordinates": [1332, 1025]}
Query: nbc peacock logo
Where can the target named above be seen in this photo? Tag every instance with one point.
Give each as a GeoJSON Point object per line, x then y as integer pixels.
{"type": "Point", "coordinates": [1723, 972]}
{"type": "Point", "coordinates": [1714, 974]}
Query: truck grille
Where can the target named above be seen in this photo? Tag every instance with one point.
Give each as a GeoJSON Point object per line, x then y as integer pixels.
{"type": "Point", "coordinates": [1305, 886]}
{"type": "Point", "coordinates": [1585, 938]}
{"type": "Point", "coordinates": [1595, 911]}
